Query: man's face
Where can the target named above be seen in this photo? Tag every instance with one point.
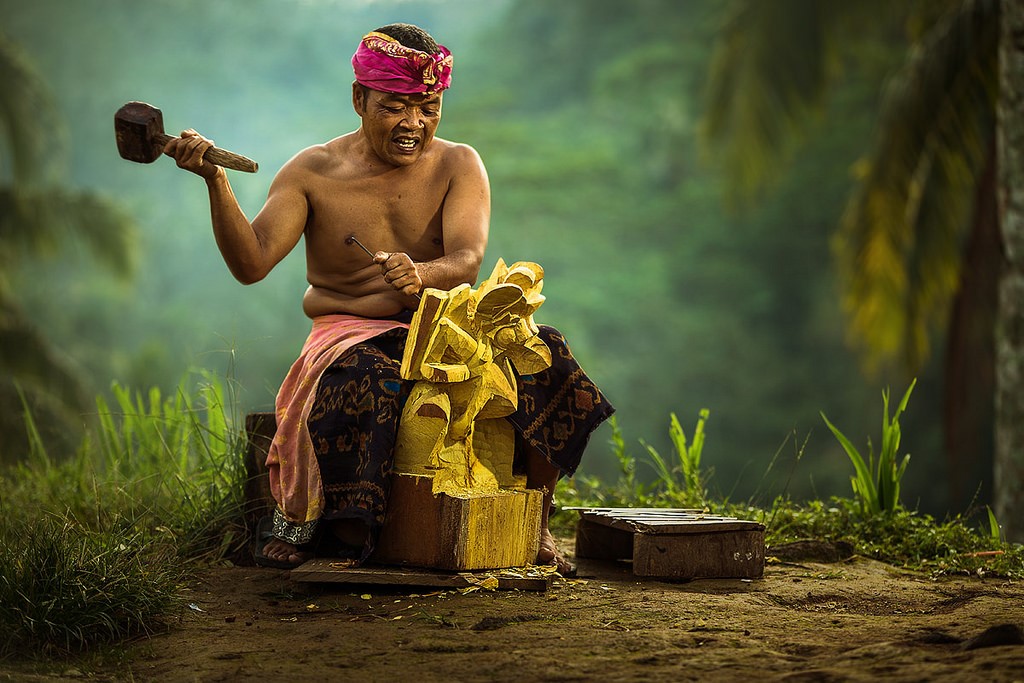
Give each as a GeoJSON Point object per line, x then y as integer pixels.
{"type": "Point", "coordinates": [398, 127]}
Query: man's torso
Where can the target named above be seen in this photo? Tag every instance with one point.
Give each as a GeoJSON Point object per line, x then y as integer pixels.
{"type": "Point", "coordinates": [386, 208]}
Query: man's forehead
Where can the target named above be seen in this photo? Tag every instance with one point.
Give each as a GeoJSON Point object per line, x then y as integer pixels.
{"type": "Point", "coordinates": [411, 98]}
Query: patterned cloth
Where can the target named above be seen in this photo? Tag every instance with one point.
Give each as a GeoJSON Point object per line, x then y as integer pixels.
{"type": "Point", "coordinates": [294, 477]}
{"type": "Point", "coordinates": [353, 425]}
{"type": "Point", "coordinates": [382, 63]}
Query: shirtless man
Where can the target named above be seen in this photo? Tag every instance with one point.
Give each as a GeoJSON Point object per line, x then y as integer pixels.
{"type": "Point", "coordinates": [422, 201]}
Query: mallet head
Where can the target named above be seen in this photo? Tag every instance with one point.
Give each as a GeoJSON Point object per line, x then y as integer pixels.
{"type": "Point", "coordinates": [139, 128]}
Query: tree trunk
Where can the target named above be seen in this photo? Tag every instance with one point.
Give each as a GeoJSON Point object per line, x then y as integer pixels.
{"type": "Point", "coordinates": [1008, 477]}
{"type": "Point", "coordinates": [970, 389]}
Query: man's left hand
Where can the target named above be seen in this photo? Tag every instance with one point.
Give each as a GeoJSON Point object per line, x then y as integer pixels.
{"type": "Point", "coordinates": [399, 271]}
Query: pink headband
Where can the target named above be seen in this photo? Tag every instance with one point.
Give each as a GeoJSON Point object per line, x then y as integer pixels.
{"type": "Point", "coordinates": [383, 63]}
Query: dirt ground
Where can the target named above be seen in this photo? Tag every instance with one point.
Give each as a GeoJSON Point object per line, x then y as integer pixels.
{"type": "Point", "coordinates": [804, 621]}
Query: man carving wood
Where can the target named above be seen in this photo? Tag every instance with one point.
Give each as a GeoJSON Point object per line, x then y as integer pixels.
{"type": "Point", "coordinates": [424, 202]}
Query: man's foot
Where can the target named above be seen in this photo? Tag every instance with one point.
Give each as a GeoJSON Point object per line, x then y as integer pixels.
{"type": "Point", "coordinates": [549, 554]}
{"type": "Point", "coordinates": [281, 555]}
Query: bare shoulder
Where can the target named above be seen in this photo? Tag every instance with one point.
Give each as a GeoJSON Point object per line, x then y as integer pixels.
{"type": "Point", "coordinates": [458, 155]}
{"type": "Point", "coordinates": [318, 160]}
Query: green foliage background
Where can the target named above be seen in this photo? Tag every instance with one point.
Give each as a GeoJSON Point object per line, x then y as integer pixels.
{"type": "Point", "coordinates": [674, 295]}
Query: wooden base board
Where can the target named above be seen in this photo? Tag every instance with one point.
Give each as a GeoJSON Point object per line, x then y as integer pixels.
{"type": "Point", "coordinates": [672, 543]}
{"type": "Point", "coordinates": [484, 531]}
{"type": "Point", "coordinates": [325, 570]}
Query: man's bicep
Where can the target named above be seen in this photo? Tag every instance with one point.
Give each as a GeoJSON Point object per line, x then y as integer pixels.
{"type": "Point", "coordinates": [281, 221]}
{"type": "Point", "coordinates": [467, 213]}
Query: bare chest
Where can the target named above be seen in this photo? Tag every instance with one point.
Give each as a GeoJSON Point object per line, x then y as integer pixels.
{"type": "Point", "coordinates": [390, 212]}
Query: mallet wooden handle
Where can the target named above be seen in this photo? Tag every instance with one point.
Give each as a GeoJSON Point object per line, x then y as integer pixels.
{"type": "Point", "coordinates": [215, 155]}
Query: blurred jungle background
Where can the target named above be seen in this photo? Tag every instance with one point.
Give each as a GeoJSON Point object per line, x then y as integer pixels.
{"type": "Point", "coordinates": [704, 189]}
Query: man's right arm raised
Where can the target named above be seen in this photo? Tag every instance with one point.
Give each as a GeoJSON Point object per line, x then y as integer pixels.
{"type": "Point", "coordinates": [250, 249]}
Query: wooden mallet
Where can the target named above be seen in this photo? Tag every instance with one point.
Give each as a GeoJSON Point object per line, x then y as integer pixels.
{"type": "Point", "coordinates": [139, 128]}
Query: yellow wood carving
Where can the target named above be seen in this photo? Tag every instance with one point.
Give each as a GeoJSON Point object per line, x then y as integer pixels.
{"type": "Point", "coordinates": [463, 345]}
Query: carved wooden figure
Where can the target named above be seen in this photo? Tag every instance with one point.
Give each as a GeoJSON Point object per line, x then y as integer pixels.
{"type": "Point", "coordinates": [455, 503]}
{"type": "Point", "coordinates": [462, 347]}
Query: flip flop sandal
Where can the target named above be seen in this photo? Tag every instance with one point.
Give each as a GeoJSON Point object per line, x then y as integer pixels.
{"type": "Point", "coordinates": [263, 535]}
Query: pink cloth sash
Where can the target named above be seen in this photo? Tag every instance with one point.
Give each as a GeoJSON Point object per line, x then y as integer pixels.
{"type": "Point", "coordinates": [294, 473]}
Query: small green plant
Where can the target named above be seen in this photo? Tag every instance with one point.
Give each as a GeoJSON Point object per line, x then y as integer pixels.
{"type": "Point", "coordinates": [627, 485]}
{"type": "Point", "coordinates": [174, 434]}
{"type": "Point", "coordinates": [877, 486]}
{"type": "Point", "coordinates": [676, 485]}
{"type": "Point", "coordinates": [684, 481]}
{"type": "Point", "coordinates": [590, 490]}
{"type": "Point", "coordinates": [994, 531]}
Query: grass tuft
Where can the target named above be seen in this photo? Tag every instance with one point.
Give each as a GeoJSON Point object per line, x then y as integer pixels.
{"type": "Point", "coordinates": [64, 587]}
{"type": "Point", "coordinates": [156, 492]}
{"type": "Point", "coordinates": [957, 546]}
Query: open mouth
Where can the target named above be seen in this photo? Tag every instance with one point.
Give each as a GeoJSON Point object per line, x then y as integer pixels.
{"type": "Point", "coordinates": [406, 144]}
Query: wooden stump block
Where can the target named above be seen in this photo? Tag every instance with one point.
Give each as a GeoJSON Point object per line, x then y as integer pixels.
{"type": "Point", "coordinates": [672, 543]}
{"type": "Point", "coordinates": [478, 531]}
{"type": "Point", "coordinates": [259, 431]}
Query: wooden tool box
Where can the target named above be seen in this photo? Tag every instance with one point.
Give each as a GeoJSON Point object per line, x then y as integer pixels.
{"type": "Point", "coordinates": [672, 543]}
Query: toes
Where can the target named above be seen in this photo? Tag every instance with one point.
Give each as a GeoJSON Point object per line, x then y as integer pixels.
{"type": "Point", "coordinates": [565, 567]}
{"type": "Point", "coordinates": [547, 552]}
{"type": "Point", "coordinates": [279, 550]}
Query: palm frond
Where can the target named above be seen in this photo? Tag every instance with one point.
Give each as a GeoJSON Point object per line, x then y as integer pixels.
{"type": "Point", "coordinates": [899, 244]}
{"type": "Point", "coordinates": [51, 421]}
{"type": "Point", "coordinates": [36, 377]}
{"type": "Point", "coordinates": [29, 121]}
{"type": "Point", "coordinates": [768, 74]}
{"type": "Point", "coordinates": [772, 67]}
{"type": "Point", "coordinates": [30, 360]}
{"type": "Point", "coordinates": [102, 226]}
{"type": "Point", "coordinates": [38, 221]}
